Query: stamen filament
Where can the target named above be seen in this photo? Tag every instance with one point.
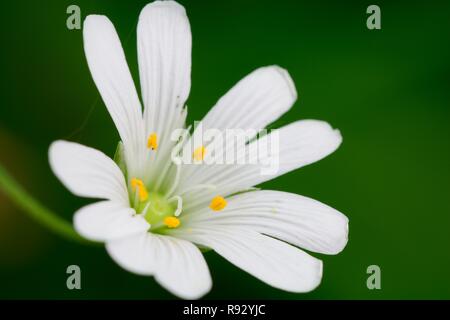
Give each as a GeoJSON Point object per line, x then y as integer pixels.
{"type": "Point", "coordinates": [175, 181]}
{"type": "Point", "coordinates": [136, 201]}
{"type": "Point", "coordinates": [144, 211]}
{"type": "Point", "coordinates": [163, 172]}
{"type": "Point", "coordinates": [179, 205]}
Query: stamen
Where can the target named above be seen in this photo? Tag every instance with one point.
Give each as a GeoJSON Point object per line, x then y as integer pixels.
{"type": "Point", "coordinates": [172, 222]}
{"type": "Point", "coordinates": [141, 189]}
{"type": "Point", "coordinates": [144, 211]}
{"type": "Point", "coordinates": [179, 205]}
{"type": "Point", "coordinates": [176, 150]}
{"type": "Point", "coordinates": [176, 180]}
{"type": "Point", "coordinates": [199, 153]}
{"type": "Point", "coordinates": [136, 200]}
{"type": "Point", "coordinates": [152, 142]}
{"type": "Point", "coordinates": [218, 203]}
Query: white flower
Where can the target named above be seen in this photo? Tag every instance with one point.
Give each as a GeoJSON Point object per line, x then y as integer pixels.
{"type": "Point", "coordinates": [156, 215]}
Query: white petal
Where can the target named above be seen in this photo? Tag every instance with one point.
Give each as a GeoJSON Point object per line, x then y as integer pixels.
{"type": "Point", "coordinates": [272, 261]}
{"type": "Point", "coordinates": [108, 220]}
{"type": "Point", "coordinates": [300, 143]}
{"type": "Point", "coordinates": [176, 264]}
{"type": "Point", "coordinates": [164, 52]}
{"type": "Point", "coordinates": [254, 102]}
{"type": "Point", "coordinates": [87, 172]}
{"type": "Point", "coordinates": [110, 72]}
{"type": "Point", "coordinates": [299, 220]}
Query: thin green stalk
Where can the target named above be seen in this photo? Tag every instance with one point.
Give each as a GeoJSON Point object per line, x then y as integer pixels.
{"type": "Point", "coordinates": [35, 210]}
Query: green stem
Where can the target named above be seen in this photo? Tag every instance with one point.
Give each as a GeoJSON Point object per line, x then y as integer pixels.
{"type": "Point", "coordinates": [36, 210]}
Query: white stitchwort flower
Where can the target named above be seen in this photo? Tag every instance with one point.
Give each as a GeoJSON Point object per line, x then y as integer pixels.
{"type": "Point", "coordinates": [155, 215]}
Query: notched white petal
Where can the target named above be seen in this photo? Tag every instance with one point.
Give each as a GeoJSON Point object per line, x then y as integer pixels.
{"type": "Point", "coordinates": [109, 69]}
{"type": "Point", "coordinates": [298, 220]}
{"type": "Point", "coordinates": [87, 172]}
{"type": "Point", "coordinates": [176, 264]}
{"type": "Point", "coordinates": [108, 220]}
{"type": "Point", "coordinates": [164, 55]}
{"type": "Point", "coordinates": [271, 261]}
{"type": "Point", "coordinates": [299, 144]}
{"type": "Point", "coordinates": [254, 102]}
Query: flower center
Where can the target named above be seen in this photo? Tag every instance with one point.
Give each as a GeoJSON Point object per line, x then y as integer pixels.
{"type": "Point", "coordinates": [159, 211]}
{"type": "Point", "coordinates": [157, 208]}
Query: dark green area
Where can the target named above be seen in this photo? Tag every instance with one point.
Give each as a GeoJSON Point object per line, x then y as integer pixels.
{"type": "Point", "coordinates": [386, 90]}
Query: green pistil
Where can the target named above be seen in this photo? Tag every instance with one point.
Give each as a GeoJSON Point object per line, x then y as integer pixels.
{"type": "Point", "coordinates": [158, 209]}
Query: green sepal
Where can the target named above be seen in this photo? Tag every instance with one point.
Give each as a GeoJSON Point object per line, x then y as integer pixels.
{"type": "Point", "coordinates": [244, 191]}
{"type": "Point", "coordinates": [203, 249]}
{"type": "Point", "coordinates": [119, 158]}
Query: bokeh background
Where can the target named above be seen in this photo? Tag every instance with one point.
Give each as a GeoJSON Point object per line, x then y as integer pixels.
{"type": "Point", "coordinates": [386, 90]}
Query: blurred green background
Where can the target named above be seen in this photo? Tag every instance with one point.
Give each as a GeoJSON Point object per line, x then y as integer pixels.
{"type": "Point", "coordinates": [386, 90]}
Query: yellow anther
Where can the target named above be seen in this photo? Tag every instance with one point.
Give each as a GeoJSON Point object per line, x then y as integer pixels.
{"type": "Point", "coordinates": [172, 222]}
{"type": "Point", "coordinates": [141, 189]}
{"type": "Point", "coordinates": [218, 203]}
{"type": "Point", "coordinates": [135, 182]}
{"type": "Point", "coordinates": [199, 153]}
{"type": "Point", "coordinates": [152, 142]}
